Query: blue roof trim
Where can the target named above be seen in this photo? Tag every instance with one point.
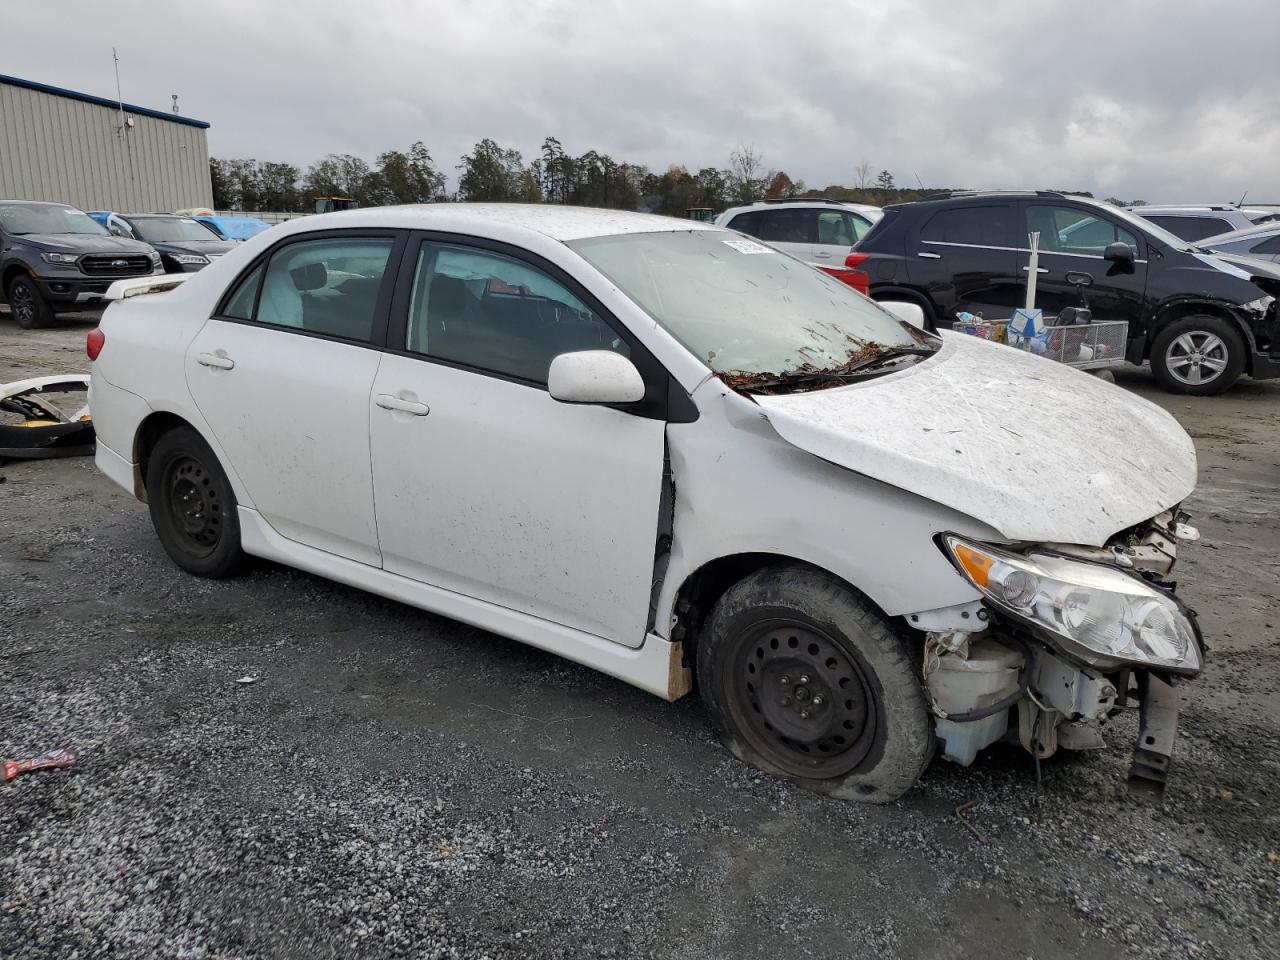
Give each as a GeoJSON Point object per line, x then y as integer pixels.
{"type": "Point", "coordinates": [102, 101]}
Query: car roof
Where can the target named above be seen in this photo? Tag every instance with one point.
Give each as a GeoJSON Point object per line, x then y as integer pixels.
{"type": "Point", "coordinates": [38, 203]}
{"type": "Point", "coordinates": [1186, 208]}
{"type": "Point", "coordinates": [551, 220]}
{"type": "Point", "coordinates": [801, 202]}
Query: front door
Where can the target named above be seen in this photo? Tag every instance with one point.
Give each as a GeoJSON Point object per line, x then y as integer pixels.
{"type": "Point", "coordinates": [486, 486]}
{"type": "Point", "coordinates": [1072, 271]}
{"type": "Point", "coordinates": [282, 376]}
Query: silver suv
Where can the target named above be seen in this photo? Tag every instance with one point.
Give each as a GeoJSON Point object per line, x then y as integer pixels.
{"type": "Point", "coordinates": [1194, 222]}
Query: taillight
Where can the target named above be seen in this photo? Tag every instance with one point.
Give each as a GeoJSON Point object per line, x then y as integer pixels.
{"type": "Point", "coordinates": [860, 280]}
{"type": "Point", "coordinates": [94, 342]}
{"type": "Point", "coordinates": [855, 259]}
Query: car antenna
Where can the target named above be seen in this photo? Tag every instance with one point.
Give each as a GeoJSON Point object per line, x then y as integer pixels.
{"type": "Point", "coordinates": [1242, 196]}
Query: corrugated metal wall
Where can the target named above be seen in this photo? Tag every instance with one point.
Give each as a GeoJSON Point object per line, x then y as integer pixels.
{"type": "Point", "coordinates": [68, 151]}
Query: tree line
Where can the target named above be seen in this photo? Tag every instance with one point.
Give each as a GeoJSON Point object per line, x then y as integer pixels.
{"type": "Point", "coordinates": [496, 173]}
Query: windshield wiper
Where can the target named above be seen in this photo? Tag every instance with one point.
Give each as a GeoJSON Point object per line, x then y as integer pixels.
{"type": "Point", "coordinates": [859, 370]}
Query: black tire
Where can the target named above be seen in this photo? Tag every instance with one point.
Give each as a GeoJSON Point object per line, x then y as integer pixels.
{"type": "Point", "coordinates": [27, 304]}
{"type": "Point", "coordinates": [1200, 355]}
{"type": "Point", "coordinates": [193, 508]}
{"type": "Point", "coordinates": [790, 636]}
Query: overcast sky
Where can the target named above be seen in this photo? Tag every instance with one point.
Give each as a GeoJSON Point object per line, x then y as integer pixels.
{"type": "Point", "coordinates": [1153, 99]}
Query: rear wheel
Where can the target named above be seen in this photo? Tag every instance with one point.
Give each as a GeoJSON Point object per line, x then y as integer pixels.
{"type": "Point", "coordinates": [805, 680]}
{"type": "Point", "coordinates": [1200, 355]}
{"type": "Point", "coordinates": [193, 508]}
{"type": "Point", "coordinates": [27, 304]}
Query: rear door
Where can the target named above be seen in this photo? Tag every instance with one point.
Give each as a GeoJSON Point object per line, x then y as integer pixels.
{"type": "Point", "coordinates": [1072, 272]}
{"type": "Point", "coordinates": [838, 230]}
{"type": "Point", "coordinates": [282, 375]}
{"type": "Point", "coordinates": [793, 229]}
{"type": "Point", "coordinates": [965, 258]}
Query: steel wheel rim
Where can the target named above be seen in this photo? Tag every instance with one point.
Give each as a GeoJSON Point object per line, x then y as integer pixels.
{"type": "Point", "coordinates": [1196, 357]}
{"type": "Point", "coordinates": [22, 304]}
{"type": "Point", "coordinates": [802, 701]}
{"type": "Point", "coordinates": [194, 508]}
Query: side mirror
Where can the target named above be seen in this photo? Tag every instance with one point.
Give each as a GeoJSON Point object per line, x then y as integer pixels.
{"type": "Point", "coordinates": [594, 376]}
{"type": "Point", "coordinates": [1118, 252]}
{"type": "Point", "coordinates": [910, 313]}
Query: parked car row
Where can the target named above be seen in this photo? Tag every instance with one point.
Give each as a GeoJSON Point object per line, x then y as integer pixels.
{"type": "Point", "coordinates": [56, 258]}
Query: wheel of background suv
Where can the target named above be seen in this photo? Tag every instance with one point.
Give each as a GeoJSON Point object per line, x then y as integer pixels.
{"type": "Point", "coordinates": [192, 506]}
{"type": "Point", "coordinates": [1201, 355]}
{"type": "Point", "coordinates": [27, 304]}
{"type": "Point", "coordinates": [805, 680]}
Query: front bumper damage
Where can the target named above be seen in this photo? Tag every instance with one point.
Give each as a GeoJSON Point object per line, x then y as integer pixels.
{"type": "Point", "coordinates": [989, 679]}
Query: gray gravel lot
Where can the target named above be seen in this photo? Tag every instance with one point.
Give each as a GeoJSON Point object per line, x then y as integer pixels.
{"type": "Point", "coordinates": [396, 784]}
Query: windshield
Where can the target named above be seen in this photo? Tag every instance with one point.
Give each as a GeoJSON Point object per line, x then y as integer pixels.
{"type": "Point", "coordinates": [746, 309]}
{"type": "Point", "coordinates": [25, 218]}
{"type": "Point", "coordinates": [170, 229]}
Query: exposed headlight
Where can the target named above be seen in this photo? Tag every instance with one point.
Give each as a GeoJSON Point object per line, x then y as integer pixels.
{"type": "Point", "coordinates": [191, 258]}
{"type": "Point", "coordinates": [1259, 306]}
{"type": "Point", "coordinates": [1101, 615]}
{"type": "Point", "coordinates": [60, 257]}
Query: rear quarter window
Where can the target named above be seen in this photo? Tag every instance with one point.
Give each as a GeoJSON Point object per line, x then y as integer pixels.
{"type": "Point", "coordinates": [748, 223]}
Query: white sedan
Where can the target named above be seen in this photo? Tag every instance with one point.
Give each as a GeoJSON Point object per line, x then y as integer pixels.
{"type": "Point", "coordinates": [666, 451]}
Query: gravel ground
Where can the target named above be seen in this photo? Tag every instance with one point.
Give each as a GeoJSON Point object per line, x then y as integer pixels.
{"type": "Point", "coordinates": [396, 784]}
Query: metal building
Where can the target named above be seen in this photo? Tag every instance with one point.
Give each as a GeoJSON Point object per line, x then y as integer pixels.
{"type": "Point", "coordinates": [99, 154]}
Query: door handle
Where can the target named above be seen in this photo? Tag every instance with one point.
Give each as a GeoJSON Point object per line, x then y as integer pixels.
{"type": "Point", "coordinates": [1079, 278]}
{"type": "Point", "coordinates": [929, 256]}
{"type": "Point", "coordinates": [822, 255]}
{"type": "Point", "coordinates": [1027, 269]}
{"type": "Point", "coordinates": [387, 402]}
{"type": "Point", "coordinates": [215, 360]}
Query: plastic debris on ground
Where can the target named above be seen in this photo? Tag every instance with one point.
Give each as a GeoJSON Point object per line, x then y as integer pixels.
{"type": "Point", "coordinates": [53, 760]}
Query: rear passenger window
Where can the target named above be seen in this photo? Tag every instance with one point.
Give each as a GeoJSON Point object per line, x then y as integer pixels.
{"type": "Point", "coordinates": [789, 226]}
{"type": "Point", "coordinates": [746, 223]}
{"type": "Point", "coordinates": [325, 286]}
{"type": "Point", "coordinates": [240, 306]}
{"type": "Point", "coordinates": [980, 226]}
{"type": "Point", "coordinates": [495, 313]}
{"type": "Point", "coordinates": [1185, 228]}
{"type": "Point", "coordinates": [835, 228]}
{"type": "Point", "coordinates": [1268, 247]}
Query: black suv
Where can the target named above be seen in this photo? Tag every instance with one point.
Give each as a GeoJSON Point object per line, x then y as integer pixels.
{"type": "Point", "coordinates": [1202, 319]}
{"type": "Point", "coordinates": [54, 257]}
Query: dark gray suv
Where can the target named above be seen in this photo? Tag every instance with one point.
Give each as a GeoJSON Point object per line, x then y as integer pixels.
{"type": "Point", "coordinates": [54, 258]}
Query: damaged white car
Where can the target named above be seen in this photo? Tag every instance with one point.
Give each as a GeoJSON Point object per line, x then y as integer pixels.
{"type": "Point", "coordinates": [670, 453]}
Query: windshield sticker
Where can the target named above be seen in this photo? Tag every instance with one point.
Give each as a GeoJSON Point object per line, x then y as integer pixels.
{"type": "Point", "coordinates": [746, 246]}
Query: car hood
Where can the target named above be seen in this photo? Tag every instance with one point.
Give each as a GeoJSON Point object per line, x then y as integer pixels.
{"type": "Point", "coordinates": [85, 243]}
{"type": "Point", "coordinates": [205, 248]}
{"type": "Point", "coordinates": [1033, 449]}
{"type": "Point", "coordinates": [1250, 266]}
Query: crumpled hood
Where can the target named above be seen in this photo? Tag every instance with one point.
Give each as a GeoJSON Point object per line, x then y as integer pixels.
{"type": "Point", "coordinates": [1032, 448]}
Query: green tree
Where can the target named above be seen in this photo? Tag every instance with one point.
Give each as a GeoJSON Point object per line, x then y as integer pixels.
{"type": "Point", "coordinates": [491, 172]}
{"type": "Point", "coordinates": [224, 197]}
{"type": "Point", "coordinates": [409, 177]}
{"type": "Point", "coordinates": [338, 175]}
{"type": "Point", "coordinates": [885, 180]}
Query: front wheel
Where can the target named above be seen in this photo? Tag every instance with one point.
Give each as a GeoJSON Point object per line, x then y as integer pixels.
{"type": "Point", "coordinates": [1199, 355]}
{"type": "Point", "coordinates": [193, 508]}
{"type": "Point", "coordinates": [27, 304]}
{"type": "Point", "coordinates": [805, 679]}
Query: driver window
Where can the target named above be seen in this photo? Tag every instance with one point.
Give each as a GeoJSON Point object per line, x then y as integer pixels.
{"type": "Point", "coordinates": [485, 310]}
{"type": "Point", "coordinates": [1072, 230]}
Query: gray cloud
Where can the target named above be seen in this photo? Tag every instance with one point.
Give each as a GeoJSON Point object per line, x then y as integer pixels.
{"type": "Point", "coordinates": [1134, 98]}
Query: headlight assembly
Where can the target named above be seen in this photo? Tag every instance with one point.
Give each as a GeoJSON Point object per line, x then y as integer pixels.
{"type": "Point", "coordinates": [1101, 615]}
{"type": "Point", "coordinates": [193, 259]}
{"type": "Point", "coordinates": [60, 257]}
